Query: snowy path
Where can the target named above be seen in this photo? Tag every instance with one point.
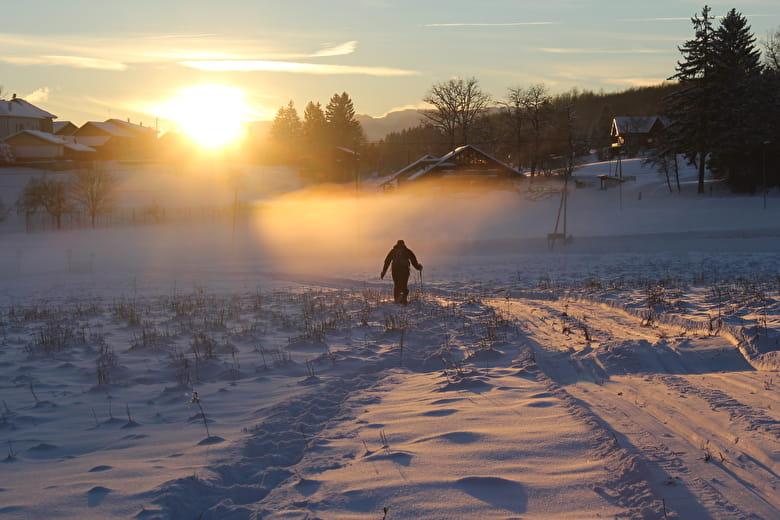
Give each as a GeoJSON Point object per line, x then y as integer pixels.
{"type": "Point", "coordinates": [442, 459]}
{"type": "Point", "coordinates": [673, 399]}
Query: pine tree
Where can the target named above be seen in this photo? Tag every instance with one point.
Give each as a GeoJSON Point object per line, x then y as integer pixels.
{"type": "Point", "coordinates": [314, 126]}
{"type": "Point", "coordinates": [691, 107]}
{"type": "Point", "coordinates": [344, 130]}
{"type": "Point", "coordinates": [287, 126]}
{"type": "Point", "coordinates": [737, 71]}
{"type": "Point", "coordinates": [286, 132]}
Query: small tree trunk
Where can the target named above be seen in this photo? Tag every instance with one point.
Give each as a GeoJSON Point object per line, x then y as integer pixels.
{"type": "Point", "coordinates": [677, 173]}
{"type": "Point", "coordinates": [701, 172]}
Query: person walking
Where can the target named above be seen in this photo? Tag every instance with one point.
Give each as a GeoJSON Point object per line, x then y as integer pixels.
{"type": "Point", "coordinates": [401, 257]}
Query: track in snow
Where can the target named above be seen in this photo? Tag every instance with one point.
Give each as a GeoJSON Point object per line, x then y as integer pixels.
{"type": "Point", "coordinates": [676, 400]}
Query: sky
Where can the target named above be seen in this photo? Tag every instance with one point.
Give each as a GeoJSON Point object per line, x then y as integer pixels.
{"type": "Point", "coordinates": [88, 61]}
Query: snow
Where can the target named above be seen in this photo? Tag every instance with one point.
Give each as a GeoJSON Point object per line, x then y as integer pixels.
{"type": "Point", "coordinates": [631, 373]}
{"type": "Point", "coordinates": [18, 107]}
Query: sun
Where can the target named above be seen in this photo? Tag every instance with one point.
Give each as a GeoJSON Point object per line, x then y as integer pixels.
{"type": "Point", "coordinates": [211, 115]}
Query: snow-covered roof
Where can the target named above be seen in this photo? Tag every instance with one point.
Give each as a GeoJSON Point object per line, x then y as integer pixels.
{"type": "Point", "coordinates": [93, 140]}
{"type": "Point", "coordinates": [78, 147]}
{"type": "Point", "coordinates": [54, 140]}
{"type": "Point", "coordinates": [59, 126]}
{"type": "Point", "coordinates": [132, 127]}
{"type": "Point", "coordinates": [422, 163]}
{"type": "Point", "coordinates": [109, 128]}
{"type": "Point", "coordinates": [428, 163]}
{"type": "Point", "coordinates": [18, 107]}
{"type": "Point", "coordinates": [43, 136]}
{"type": "Point", "coordinates": [622, 125]}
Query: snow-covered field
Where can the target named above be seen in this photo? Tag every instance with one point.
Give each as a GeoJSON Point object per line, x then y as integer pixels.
{"type": "Point", "coordinates": [259, 369]}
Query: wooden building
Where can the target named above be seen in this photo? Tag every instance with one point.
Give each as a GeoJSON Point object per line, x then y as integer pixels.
{"type": "Point", "coordinates": [116, 139]}
{"type": "Point", "coordinates": [29, 145]}
{"type": "Point", "coordinates": [465, 166]}
{"type": "Point", "coordinates": [635, 133]}
{"type": "Point", "coordinates": [17, 114]}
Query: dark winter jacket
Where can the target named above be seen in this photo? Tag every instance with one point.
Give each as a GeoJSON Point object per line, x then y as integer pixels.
{"type": "Point", "coordinates": [401, 256]}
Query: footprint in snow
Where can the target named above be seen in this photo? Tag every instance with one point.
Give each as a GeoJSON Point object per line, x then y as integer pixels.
{"type": "Point", "coordinates": [500, 493]}
{"type": "Point", "coordinates": [96, 495]}
{"type": "Point", "coordinates": [440, 413]}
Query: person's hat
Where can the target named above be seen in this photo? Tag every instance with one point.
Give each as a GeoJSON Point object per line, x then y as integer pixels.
{"type": "Point", "coordinates": [400, 243]}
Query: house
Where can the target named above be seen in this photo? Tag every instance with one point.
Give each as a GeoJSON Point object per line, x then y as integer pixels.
{"type": "Point", "coordinates": [64, 128]}
{"type": "Point", "coordinates": [116, 139]}
{"type": "Point", "coordinates": [17, 114]}
{"type": "Point", "coordinates": [36, 145]}
{"type": "Point", "coordinates": [634, 133]}
{"type": "Point", "coordinates": [466, 165]}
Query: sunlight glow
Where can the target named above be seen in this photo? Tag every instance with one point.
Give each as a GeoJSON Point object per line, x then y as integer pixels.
{"type": "Point", "coordinates": [211, 115]}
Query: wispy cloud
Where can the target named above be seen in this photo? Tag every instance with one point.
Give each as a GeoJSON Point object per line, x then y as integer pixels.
{"type": "Point", "coordinates": [660, 19]}
{"type": "Point", "coordinates": [80, 62]}
{"type": "Point", "coordinates": [201, 51]}
{"type": "Point", "coordinates": [578, 50]}
{"type": "Point", "coordinates": [337, 50]}
{"type": "Point", "coordinates": [294, 67]}
{"type": "Point", "coordinates": [83, 62]}
{"type": "Point", "coordinates": [507, 24]}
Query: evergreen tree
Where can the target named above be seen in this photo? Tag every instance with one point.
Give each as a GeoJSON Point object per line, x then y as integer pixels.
{"type": "Point", "coordinates": [736, 70]}
{"type": "Point", "coordinates": [344, 130]}
{"type": "Point", "coordinates": [287, 126]}
{"type": "Point", "coordinates": [286, 132]}
{"type": "Point", "coordinates": [691, 107]}
{"type": "Point", "coordinates": [314, 126]}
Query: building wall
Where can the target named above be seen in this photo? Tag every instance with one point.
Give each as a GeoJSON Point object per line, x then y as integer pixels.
{"type": "Point", "coordinates": [41, 151]}
{"type": "Point", "coordinates": [11, 125]}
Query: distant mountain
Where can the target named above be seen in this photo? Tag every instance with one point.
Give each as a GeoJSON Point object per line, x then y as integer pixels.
{"type": "Point", "coordinates": [375, 127]}
{"type": "Point", "coordinates": [378, 127]}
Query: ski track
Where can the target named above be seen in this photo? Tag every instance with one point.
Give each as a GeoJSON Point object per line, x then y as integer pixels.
{"type": "Point", "coordinates": [672, 412]}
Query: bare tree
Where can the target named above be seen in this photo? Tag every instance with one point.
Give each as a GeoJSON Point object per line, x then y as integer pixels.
{"type": "Point", "coordinates": [772, 50]}
{"type": "Point", "coordinates": [532, 104]}
{"type": "Point", "coordinates": [44, 193]}
{"type": "Point", "coordinates": [93, 191]}
{"type": "Point", "coordinates": [458, 104]}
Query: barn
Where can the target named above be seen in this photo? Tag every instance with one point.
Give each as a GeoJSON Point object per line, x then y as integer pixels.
{"type": "Point", "coordinates": [465, 166]}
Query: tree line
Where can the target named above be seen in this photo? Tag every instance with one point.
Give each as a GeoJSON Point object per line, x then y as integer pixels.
{"type": "Point", "coordinates": [529, 128]}
{"type": "Point", "coordinates": [320, 142]}
{"type": "Point", "coordinates": [720, 111]}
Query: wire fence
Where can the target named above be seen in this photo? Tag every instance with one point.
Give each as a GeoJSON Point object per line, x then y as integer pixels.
{"type": "Point", "coordinates": [119, 217]}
